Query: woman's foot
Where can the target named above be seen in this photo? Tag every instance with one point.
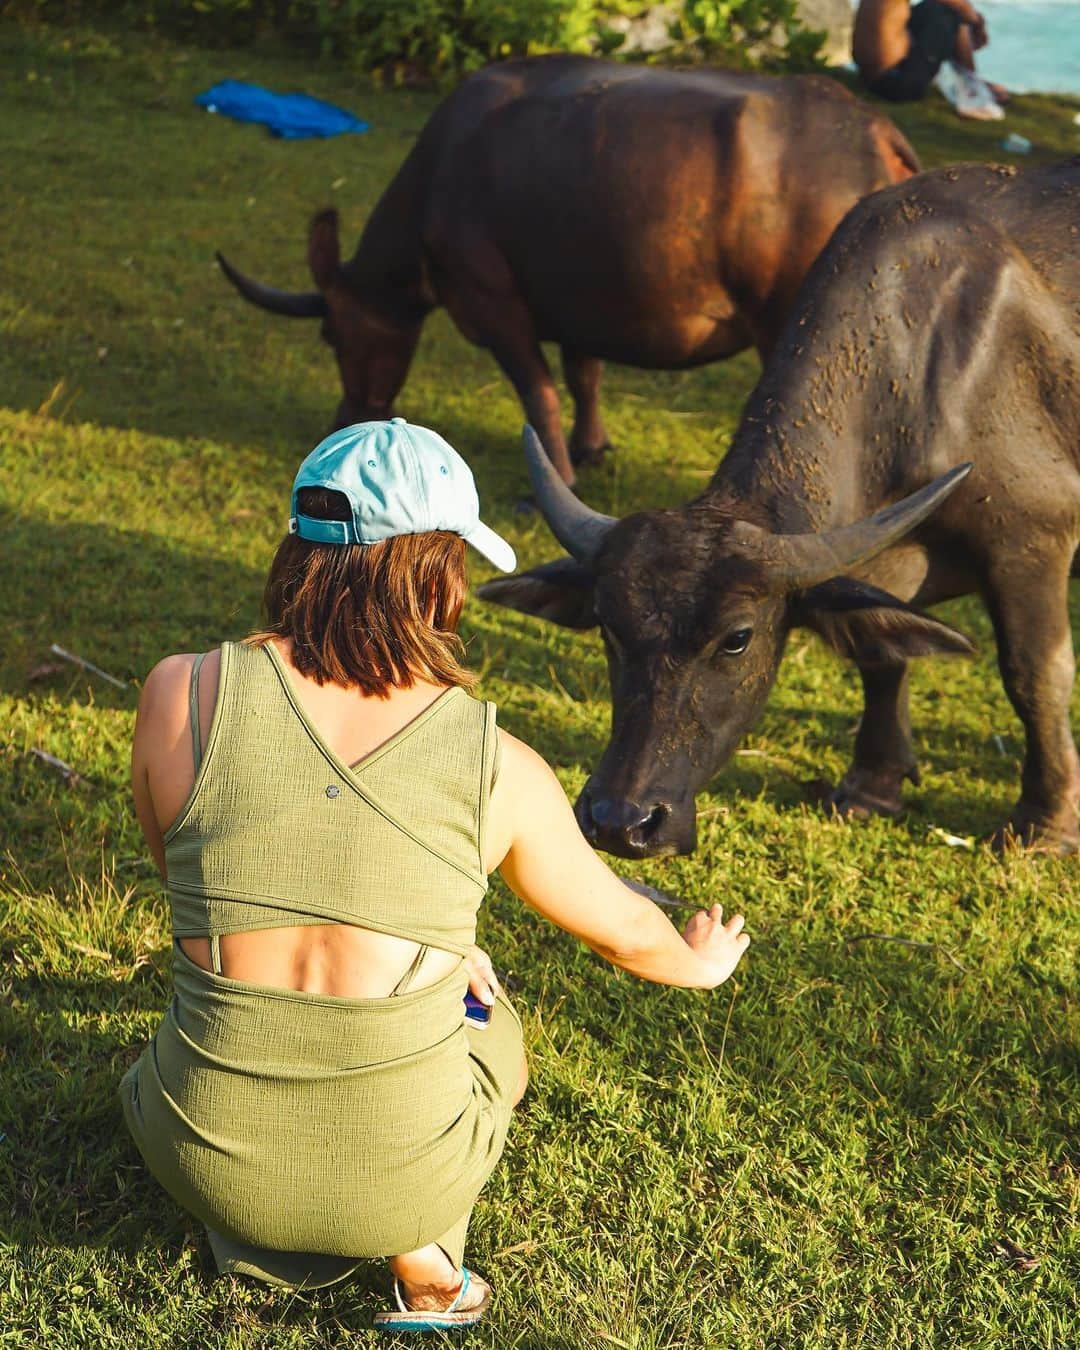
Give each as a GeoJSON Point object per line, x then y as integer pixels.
{"type": "Point", "coordinates": [437, 1306]}
{"type": "Point", "coordinates": [438, 1298]}
{"type": "Point", "coordinates": [1000, 93]}
{"type": "Point", "coordinates": [428, 1282]}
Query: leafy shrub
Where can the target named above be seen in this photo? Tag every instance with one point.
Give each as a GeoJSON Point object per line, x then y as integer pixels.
{"type": "Point", "coordinates": [442, 39]}
{"type": "Point", "coordinates": [759, 32]}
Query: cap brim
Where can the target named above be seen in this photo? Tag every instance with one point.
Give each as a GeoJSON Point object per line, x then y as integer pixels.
{"type": "Point", "coordinates": [493, 546]}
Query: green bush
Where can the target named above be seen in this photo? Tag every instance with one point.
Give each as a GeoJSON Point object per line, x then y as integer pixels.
{"type": "Point", "coordinates": [446, 37]}
{"type": "Point", "coordinates": [442, 39]}
{"type": "Point", "coordinates": [759, 32]}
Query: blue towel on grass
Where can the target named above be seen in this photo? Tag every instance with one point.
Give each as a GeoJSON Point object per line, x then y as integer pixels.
{"type": "Point", "coordinates": [291, 116]}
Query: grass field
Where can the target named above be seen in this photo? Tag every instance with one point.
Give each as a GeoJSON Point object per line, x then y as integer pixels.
{"type": "Point", "coordinates": [855, 1142]}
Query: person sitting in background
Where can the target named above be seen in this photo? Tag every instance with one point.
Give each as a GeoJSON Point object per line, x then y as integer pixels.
{"type": "Point", "coordinates": [325, 801]}
{"type": "Point", "coordinates": [899, 49]}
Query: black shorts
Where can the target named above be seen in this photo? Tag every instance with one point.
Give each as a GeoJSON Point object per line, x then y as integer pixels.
{"type": "Point", "coordinates": [933, 27]}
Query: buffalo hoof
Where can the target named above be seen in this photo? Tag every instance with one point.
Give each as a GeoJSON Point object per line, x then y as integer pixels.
{"type": "Point", "coordinates": [1035, 832]}
{"type": "Point", "coordinates": [863, 793]}
{"type": "Point", "coordinates": [589, 456]}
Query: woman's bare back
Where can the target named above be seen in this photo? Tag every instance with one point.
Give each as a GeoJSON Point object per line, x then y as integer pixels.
{"type": "Point", "coordinates": [329, 959]}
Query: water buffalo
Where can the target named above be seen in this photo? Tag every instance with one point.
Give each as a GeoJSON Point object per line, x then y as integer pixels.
{"type": "Point", "coordinates": [652, 217]}
{"type": "Point", "coordinates": [940, 325]}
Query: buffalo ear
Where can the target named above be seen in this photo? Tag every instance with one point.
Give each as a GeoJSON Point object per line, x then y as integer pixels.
{"type": "Point", "coordinates": [560, 591]}
{"type": "Point", "coordinates": [872, 627]}
{"type": "Point", "coordinates": [324, 251]}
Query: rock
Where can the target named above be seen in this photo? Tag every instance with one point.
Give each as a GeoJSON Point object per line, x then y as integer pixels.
{"type": "Point", "coordinates": [836, 18]}
{"type": "Point", "coordinates": [647, 32]}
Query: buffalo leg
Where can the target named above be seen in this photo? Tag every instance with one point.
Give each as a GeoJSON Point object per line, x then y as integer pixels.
{"type": "Point", "coordinates": [1029, 608]}
{"type": "Point", "coordinates": [530, 374]}
{"type": "Point", "coordinates": [588, 440]}
{"type": "Point", "coordinates": [883, 753]}
{"type": "Point", "coordinates": [490, 311]}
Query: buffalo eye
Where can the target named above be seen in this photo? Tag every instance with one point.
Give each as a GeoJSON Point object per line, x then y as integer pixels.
{"type": "Point", "coordinates": [736, 641]}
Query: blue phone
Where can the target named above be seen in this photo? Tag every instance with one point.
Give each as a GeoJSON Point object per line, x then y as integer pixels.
{"type": "Point", "coordinates": [477, 1014]}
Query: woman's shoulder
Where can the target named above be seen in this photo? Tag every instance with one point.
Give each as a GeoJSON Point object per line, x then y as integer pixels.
{"type": "Point", "coordinates": [520, 760]}
{"type": "Point", "coordinates": [169, 682]}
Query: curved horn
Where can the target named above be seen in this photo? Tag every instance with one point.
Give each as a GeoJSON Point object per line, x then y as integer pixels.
{"type": "Point", "coordinates": [803, 559]}
{"type": "Point", "coordinates": [295, 305]}
{"type": "Point", "coordinates": [579, 528]}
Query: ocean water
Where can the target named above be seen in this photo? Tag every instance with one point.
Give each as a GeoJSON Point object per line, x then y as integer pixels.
{"type": "Point", "coordinates": [1034, 45]}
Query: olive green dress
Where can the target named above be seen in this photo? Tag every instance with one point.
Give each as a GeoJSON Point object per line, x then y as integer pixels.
{"type": "Point", "coordinates": [309, 1131]}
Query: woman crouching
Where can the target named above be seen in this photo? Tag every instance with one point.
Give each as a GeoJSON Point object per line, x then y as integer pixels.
{"type": "Point", "coordinates": [326, 801]}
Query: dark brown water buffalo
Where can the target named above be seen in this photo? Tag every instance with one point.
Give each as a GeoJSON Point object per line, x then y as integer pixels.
{"type": "Point", "coordinates": [652, 217]}
{"type": "Point", "coordinates": [941, 325]}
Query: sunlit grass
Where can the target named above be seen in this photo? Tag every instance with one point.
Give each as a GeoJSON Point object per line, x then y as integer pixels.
{"type": "Point", "coordinates": [837, 1148]}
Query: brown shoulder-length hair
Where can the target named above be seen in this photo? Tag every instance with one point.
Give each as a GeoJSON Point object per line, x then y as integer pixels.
{"type": "Point", "coordinates": [376, 616]}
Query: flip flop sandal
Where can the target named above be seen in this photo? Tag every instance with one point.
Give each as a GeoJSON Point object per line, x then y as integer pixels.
{"type": "Point", "coordinates": [409, 1319]}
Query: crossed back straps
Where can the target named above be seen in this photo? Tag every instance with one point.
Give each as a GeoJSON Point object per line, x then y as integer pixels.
{"type": "Point", "coordinates": [279, 831]}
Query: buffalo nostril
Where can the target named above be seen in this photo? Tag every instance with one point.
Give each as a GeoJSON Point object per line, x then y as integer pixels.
{"type": "Point", "coordinates": [626, 818]}
{"type": "Point", "coordinates": [648, 827]}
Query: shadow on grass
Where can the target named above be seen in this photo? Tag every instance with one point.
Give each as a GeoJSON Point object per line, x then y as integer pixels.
{"type": "Point", "coordinates": [170, 382]}
{"type": "Point", "coordinates": [122, 598]}
{"type": "Point", "coordinates": [175, 385]}
{"type": "Point", "coordinates": [60, 1078]}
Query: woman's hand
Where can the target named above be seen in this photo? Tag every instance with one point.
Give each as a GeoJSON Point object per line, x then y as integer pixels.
{"type": "Point", "coordinates": [482, 981]}
{"type": "Point", "coordinates": [720, 945]}
{"type": "Point", "coordinates": [547, 861]}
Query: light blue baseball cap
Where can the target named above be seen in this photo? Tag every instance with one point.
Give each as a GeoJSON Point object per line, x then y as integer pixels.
{"type": "Point", "coordinates": [398, 479]}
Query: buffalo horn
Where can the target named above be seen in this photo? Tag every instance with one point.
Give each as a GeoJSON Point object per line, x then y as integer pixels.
{"type": "Point", "coordinates": [803, 559]}
{"type": "Point", "coordinates": [293, 304]}
{"type": "Point", "coordinates": [577, 527]}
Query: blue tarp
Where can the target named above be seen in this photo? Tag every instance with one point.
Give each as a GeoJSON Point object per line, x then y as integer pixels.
{"type": "Point", "coordinates": [291, 116]}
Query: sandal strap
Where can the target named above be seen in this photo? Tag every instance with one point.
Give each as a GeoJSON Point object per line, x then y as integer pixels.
{"type": "Point", "coordinates": [466, 1280]}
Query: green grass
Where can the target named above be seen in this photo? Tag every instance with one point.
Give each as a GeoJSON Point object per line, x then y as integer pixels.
{"type": "Point", "coordinates": [827, 1151]}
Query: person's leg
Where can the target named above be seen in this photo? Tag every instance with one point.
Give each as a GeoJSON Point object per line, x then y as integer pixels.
{"type": "Point", "coordinates": [291, 1270]}
{"type": "Point", "coordinates": [430, 1281]}
{"type": "Point", "coordinates": [964, 57]}
{"type": "Point", "coordinates": [963, 48]}
{"type": "Point", "coordinates": [430, 1278]}
{"type": "Point", "coordinates": [931, 32]}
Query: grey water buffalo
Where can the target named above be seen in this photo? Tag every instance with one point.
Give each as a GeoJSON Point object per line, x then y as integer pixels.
{"type": "Point", "coordinates": [657, 218]}
{"type": "Point", "coordinates": [941, 325]}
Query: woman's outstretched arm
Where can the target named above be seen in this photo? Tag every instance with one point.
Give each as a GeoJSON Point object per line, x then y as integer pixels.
{"type": "Point", "coordinates": [547, 861]}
